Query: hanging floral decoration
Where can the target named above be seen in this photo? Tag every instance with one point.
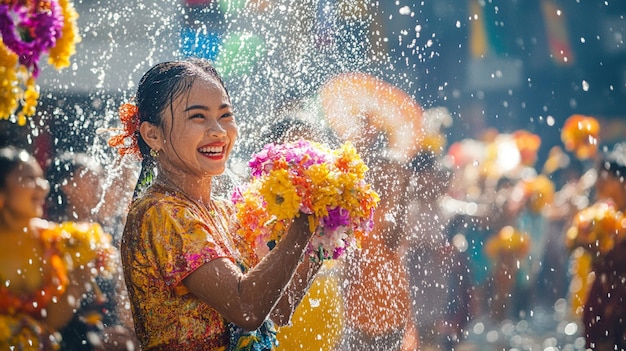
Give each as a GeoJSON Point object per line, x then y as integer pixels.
{"type": "Point", "coordinates": [28, 30]}
{"type": "Point", "coordinates": [307, 177]}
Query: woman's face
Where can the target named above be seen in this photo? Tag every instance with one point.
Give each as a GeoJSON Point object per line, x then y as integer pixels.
{"type": "Point", "coordinates": [25, 193]}
{"type": "Point", "coordinates": [199, 131]}
{"type": "Point", "coordinates": [83, 192]}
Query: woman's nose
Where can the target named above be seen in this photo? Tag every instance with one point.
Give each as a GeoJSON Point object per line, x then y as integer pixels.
{"type": "Point", "coordinates": [215, 128]}
{"type": "Point", "coordinates": [43, 184]}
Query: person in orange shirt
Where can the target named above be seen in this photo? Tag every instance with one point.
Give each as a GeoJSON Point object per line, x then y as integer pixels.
{"type": "Point", "coordinates": [377, 297]}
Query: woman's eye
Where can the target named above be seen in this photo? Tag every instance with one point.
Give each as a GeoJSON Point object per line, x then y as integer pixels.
{"type": "Point", "coordinates": [228, 115]}
{"type": "Point", "coordinates": [196, 116]}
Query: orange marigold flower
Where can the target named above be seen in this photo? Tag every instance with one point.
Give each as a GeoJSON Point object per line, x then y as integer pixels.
{"type": "Point", "coordinates": [528, 145]}
{"type": "Point", "coordinates": [580, 135]}
{"type": "Point", "coordinates": [597, 228]}
{"type": "Point", "coordinates": [126, 142]}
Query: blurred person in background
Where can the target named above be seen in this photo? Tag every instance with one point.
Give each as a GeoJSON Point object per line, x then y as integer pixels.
{"type": "Point", "coordinates": [45, 268]}
{"type": "Point", "coordinates": [104, 321]}
{"type": "Point", "coordinates": [605, 308]}
{"type": "Point", "coordinates": [376, 287]}
{"type": "Point", "coordinates": [440, 297]}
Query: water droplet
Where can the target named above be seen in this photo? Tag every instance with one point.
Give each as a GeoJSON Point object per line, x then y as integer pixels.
{"type": "Point", "coordinates": [571, 328]}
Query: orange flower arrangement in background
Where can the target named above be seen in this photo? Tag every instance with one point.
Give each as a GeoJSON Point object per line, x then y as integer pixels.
{"type": "Point", "coordinates": [597, 228]}
{"type": "Point", "coordinates": [509, 242]}
{"type": "Point", "coordinates": [528, 144]}
{"type": "Point", "coordinates": [580, 135]}
{"type": "Point", "coordinates": [539, 191]}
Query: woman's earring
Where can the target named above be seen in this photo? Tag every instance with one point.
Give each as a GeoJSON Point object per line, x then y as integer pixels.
{"type": "Point", "coordinates": [154, 153]}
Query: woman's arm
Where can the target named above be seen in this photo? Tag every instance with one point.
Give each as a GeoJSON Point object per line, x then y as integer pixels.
{"type": "Point", "coordinates": [59, 314]}
{"type": "Point", "coordinates": [298, 287]}
{"type": "Point", "coordinates": [247, 299]}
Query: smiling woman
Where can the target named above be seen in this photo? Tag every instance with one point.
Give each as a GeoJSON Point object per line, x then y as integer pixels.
{"type": "Point", "coordinates": [193, 282]}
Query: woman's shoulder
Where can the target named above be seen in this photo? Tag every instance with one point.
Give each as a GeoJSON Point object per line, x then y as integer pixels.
{"type": "Point", "coordinates": [158, 198]}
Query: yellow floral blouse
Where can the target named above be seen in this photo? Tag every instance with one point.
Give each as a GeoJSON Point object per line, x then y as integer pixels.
{"type": "Point", "coordinates": [168, 236]}
{"type": "Point", "coordinates": [64, 245]}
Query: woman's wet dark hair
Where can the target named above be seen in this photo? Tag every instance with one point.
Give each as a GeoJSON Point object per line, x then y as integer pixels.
{"type": "Point", "coordinates": [10, 158]}
{"type": "Point", "coordinates": [157, 90]}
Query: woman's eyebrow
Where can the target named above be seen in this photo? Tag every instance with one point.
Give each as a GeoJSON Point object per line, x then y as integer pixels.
{"type": "Point", "coordinates": [206, 108]}
{"type": "Point", "coordinates": [197, 107]}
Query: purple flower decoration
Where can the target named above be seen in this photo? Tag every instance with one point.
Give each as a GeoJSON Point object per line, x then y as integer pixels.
{"type": "Point", "coordinates": [39, 25]}
{"type": "Point", "coordinates": [337, 217]}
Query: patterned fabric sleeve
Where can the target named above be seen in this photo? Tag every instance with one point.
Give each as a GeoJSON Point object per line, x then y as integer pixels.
{"type": "Point", "coordinates": [183, 241]}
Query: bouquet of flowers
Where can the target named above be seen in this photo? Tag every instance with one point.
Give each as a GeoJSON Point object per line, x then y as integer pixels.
{"type": "Point", "coordinates": [306, 177]}
{"type": "Point", "coordinates": [597, 228]}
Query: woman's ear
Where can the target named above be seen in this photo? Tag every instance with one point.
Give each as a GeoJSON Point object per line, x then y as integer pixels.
{"type": "Point", "coordinates": [151, 134]}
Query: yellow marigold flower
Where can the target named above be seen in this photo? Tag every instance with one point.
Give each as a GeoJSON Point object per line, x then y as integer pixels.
{"type": "Point", "coordinates": [280, 194]}
{"type": "Point", "coordinates": [87, 244]}
{"type": "Point", "coordinates": [350, 198]}
{"type": "Point", "coordinates": [10, 90]}
{"type": "Point", "coordinates": [348, 160]}
{"type": "Point", "coordinates": [29, 105]}
{"type": "Point", "coordinates": [59, 55]}
{"type": "Point", "coordinates": [326, 190]}
{"type": "Point", "coordinates": [370, 198]}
